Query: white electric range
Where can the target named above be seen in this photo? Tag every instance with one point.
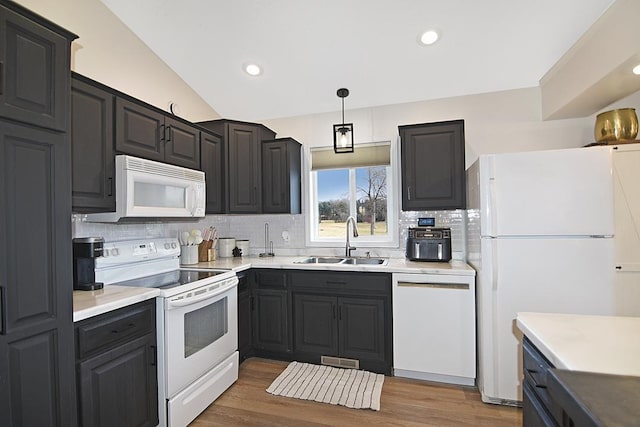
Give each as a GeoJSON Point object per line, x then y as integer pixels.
{"type": "Point", "coordinates": [196, 320]}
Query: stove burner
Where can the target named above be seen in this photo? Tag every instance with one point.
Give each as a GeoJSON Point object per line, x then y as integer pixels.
{"type": "Point", "coordinates": [170, 280]}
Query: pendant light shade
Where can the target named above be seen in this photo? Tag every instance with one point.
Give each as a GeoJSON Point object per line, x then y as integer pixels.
{"type": "Point", "coordinates": [343, 133]}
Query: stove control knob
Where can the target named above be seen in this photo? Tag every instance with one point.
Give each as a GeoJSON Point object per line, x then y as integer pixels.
{"type": "Point", "coordinates": [173, 245]}
{"type": "Point", "coordinates": [105, 252]}
{"type": "Point", "coordinates": [167, 245]}
{"type": "Point", "coordinates": [115, 252]}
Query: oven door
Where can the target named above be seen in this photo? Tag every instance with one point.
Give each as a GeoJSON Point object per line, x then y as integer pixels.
{"type": "Point", "coordinates": [201, 330]}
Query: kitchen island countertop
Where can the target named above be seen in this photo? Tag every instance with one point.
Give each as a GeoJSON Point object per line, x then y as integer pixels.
{"type": "Point", "coordinates": [602, 344]}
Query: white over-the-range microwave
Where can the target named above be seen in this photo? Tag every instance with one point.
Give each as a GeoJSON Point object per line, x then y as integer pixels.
{"type": "Point", "coordinates": [149, 189]}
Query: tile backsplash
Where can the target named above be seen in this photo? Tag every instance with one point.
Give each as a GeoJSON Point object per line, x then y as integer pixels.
{"type": "Point", "coordinates": [287, 232]}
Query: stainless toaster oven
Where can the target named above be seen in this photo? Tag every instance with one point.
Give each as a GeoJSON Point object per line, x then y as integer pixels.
{"type": "Point", "coordinates": [429, 244]}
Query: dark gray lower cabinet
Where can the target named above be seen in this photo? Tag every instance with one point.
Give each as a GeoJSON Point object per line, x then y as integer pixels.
{"type": "Point", "coordinates": [117, 368]}
{"type": "Point", "coordinates": [342, 314]}
{"type": "Point", "coordinates": [271, 330]}
{"type": "Point", "coordinates": [315, 324]}
{"type": "Point", "coordinates": [361, 330]}
{"type": "Point", "coordinates": [304, 315]}
{"type": "Point", "coordinates": [244, 317]}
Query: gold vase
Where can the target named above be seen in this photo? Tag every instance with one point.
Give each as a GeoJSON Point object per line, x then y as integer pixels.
{"type": "Point", "coordinates": [616, 125]}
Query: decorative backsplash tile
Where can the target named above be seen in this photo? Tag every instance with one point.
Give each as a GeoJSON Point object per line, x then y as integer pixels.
{"type": "Point", "coordinates": [287, 232]}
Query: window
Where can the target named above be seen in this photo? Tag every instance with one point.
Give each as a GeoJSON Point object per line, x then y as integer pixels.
{"type": "Point", "coordinates": [356, 184]}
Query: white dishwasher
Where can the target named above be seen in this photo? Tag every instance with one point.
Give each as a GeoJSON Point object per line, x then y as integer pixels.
{"type": "Point", "coordinates": [434, 327]}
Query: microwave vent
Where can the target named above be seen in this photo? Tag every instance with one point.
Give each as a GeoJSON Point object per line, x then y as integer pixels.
{"type": "Point", "coordinates": [157, 168]}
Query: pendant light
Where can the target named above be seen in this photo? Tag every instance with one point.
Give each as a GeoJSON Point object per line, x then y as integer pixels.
{"type": "Point", "coordinates": [343, 133]}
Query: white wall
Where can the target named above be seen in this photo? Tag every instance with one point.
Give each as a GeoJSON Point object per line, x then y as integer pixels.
{"type": "Point", "coordinates": [494, 123]}
{"type": "Point", "coordinates": [107, 51]}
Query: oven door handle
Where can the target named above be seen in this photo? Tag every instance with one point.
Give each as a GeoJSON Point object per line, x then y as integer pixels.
{"type": "Point", "coordinates": [194, 299]}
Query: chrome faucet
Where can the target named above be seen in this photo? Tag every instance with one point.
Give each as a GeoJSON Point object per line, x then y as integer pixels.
{"type": "Point", "coordinates": [350, 248]}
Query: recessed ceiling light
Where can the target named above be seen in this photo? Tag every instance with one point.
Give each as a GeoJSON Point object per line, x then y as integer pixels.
{"type": "Point", "coordinates": [429, 37]}
{"type": "Point", "coordinates": [253, 69]}
{"type": "Point", "coordinates": [636, 70]}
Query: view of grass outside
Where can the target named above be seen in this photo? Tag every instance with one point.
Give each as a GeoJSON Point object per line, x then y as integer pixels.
{"type": "Point", "coordinates": [369, 207]}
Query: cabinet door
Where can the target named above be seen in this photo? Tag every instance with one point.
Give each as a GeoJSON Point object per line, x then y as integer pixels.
{"type": "Point", "coordinates": [33, 60]}
{"type": "Point", "coordinates": [244, 318]}
{"type": "Point", "coordinates": [315, 324]}
{"type": "Point", "coordinates": [362, 328]}
{"type": "Point", "coordinates": [281, 169]}
{"type": "Point", "coordinates": [182, 147]}
{"type": "Point", "coordinates": [433, 166]}
{"type": "Point", "coordinates": [36, 308]}
{"type": "Point", "coordinates": [212, 164]}
{"type": "Point", "coordinates": [139, 131]}
{"type": "Point", "coordinates": [92, 148]}
{"type": "Point", "coordinates": [244, 168]}
{"type": "Point", "coordinates": [271, 326]}
{"type": "Point", "coordinates": [120, 387]}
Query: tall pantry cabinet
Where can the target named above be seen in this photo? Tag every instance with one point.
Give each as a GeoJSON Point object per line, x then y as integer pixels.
{"type": "Point", "coordinates": [37, 380]}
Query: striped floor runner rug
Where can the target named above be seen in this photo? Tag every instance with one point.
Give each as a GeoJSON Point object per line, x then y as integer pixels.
{"type": "Point", "coordinates": [347, 387]}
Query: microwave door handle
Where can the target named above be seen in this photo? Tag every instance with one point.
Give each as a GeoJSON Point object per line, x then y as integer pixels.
{"type": "Point", "coordinates": [191, 200]}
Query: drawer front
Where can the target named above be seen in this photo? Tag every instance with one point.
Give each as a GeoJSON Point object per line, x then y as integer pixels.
{"type": "Point", "coordinates": [111, 329]}
{"type": "Point", "coordinates": [271, 279]}
{"type": "Point", "coordinates": [536, 369]}
{"type": "Point", "coordinates": [379, 283]}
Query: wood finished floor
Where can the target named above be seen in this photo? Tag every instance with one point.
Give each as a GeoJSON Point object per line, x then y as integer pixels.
{"type": "Point", "coordinates": [404, 402]}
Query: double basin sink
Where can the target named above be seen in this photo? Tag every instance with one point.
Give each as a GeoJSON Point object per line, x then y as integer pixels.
{"type": "Point", "coordinates": [342, 261]}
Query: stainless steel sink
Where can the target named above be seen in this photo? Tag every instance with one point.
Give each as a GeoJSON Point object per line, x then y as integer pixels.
{"type": "Point", "coordinates": [365, 261]}
{"type": "Point", "coordinates": [320, 260]}
{"type": "Point", "coordinates": [336, 260]}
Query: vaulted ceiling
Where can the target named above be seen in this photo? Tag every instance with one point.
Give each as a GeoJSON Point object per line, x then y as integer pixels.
{"type": "Point", "coordinates": [307, 50]}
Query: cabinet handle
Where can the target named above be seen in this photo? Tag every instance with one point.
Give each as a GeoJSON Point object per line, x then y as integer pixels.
{"type": "Point", "coordinates": [2, 311]}
{"type": "Point", "coordinates": [409, 193]}
{"type": "Point", "coordinates": [162, 132]}
{"type": "Point", "coordinates": [334, 310]}
{"type": "Point", "coordinates": [329, 282]}
{"type": "Point", "coordinates": [252, 303]}
{"type": "Point", "coordinates": [119, 331]}
{"type": "Point", "coordinates": [154, 355]}
{"type": "Point", "coordinates": [110, 186]}
{"type": "Point", "coordinates": [1, 77]}
{"type": "Point", "coordinates": [169, 131]}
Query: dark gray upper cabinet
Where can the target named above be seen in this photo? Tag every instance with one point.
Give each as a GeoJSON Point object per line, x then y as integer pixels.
{"type": "Point", "coordinates": [281, 175]}
{"type": "Point", "coordinates": [213, 165]}
{"type": "Point", "coordinates": [139, 130]}
{"type": "Point", "coordinates": [92, 147]}
{"type": "Point", "coordinates": [33, 66]}
{"type": "Point", "coordinates": [37, 372]}
{"type": "Point", "coordinates": [182, 144]}
{"type": "Point", "coordinates": [243, 151]}
{"type": "Point", "coordinates": [433, 174]}
{"type": "Point", "coordinates": [145, 132]}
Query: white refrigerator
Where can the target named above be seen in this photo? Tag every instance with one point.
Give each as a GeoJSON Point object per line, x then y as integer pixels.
{"type": "Point", "coordinates": [540, 235]}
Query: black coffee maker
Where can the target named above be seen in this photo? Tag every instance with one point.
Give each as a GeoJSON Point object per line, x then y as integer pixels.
{"type": "Point", "coordinates": [85, 252]}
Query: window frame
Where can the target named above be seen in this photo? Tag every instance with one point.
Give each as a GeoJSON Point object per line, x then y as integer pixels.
{"type": "Point", "coordinates": [363, 241]}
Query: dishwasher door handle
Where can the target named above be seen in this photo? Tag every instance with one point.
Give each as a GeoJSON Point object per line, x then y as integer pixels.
{"type": "Point", "coordinates": [462, 286]}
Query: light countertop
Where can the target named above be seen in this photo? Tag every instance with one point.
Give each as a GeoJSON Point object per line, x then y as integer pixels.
{"type": "Point", "coordinates": [394, 265]}
{"type": "Point", "coordinates": [602, 344]}
{"type": "Point", "coordinates": [92, 303]}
